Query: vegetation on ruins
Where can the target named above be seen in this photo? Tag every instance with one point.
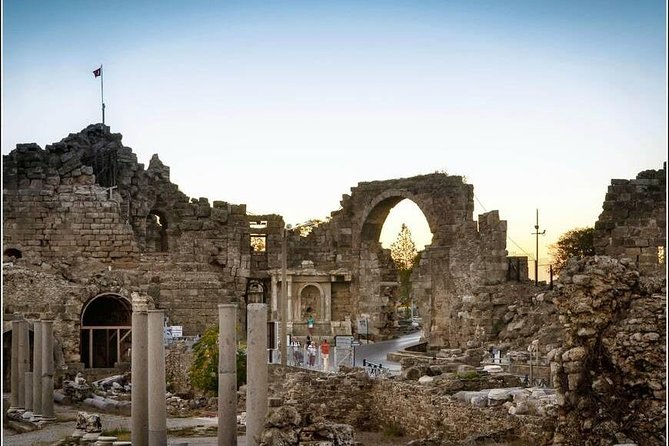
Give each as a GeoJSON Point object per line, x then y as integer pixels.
{"type": "Point", "coordinates": [467, 375]}
{"type": "Point", "coordinates": [203, 373]}
{"type": "Point", "coordinates": [576, 242]}
{"type": "Point", "coordinates": [305, 228]}
{"type": "Point", "coordinates": [404, 254]}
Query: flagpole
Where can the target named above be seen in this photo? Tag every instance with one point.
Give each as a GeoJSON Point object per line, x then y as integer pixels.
{"type": "Point", "coordinates": [102, 93]}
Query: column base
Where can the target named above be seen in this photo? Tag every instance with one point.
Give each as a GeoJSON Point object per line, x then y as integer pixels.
{"type": "Point", "coordinates": [15, 413]}
{"type": "Point", "coordinates": [27, 415]}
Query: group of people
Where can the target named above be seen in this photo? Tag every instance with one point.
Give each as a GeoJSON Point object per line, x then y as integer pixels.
{"type": "Point", "coordinates": [312, 350]}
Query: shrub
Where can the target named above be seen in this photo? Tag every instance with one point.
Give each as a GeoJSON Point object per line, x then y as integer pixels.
{"type": "Point", "coordinates": [203, 372]}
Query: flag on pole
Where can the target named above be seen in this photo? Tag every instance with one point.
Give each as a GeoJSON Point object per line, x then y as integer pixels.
{"type": "Point", "coordinates": [97, 72]}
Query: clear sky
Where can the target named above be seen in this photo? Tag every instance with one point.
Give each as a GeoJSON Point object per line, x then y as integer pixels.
{"type": "Point", "coordinates": [285, 105]}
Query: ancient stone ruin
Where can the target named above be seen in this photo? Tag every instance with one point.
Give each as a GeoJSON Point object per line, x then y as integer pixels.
{"type": "Point", "coordinates": [86, 226]}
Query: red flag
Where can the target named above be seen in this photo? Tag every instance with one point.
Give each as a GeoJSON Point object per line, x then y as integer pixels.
{"type": "Point", "coordinates": [97, 72]}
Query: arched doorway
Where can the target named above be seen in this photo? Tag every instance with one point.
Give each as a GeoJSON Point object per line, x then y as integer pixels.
{"type": "Point", "coordinates": [106, 322]}
{"type": "Point", "coordinates": [395, 233]}
{"type": "Point", "coordinates": [156, 232]}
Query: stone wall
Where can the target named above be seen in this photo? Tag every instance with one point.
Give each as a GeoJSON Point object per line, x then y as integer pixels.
{"type": "Point", "coordinates": [66, 218]}
{"type": "Point", "coordinates": [86, 210]}
{"type": "Point", "coordinates": [86, 200]}
{"type": "Point", "coordinates": [633, 222]}
{"type": "Point", "coordinates": [408, 407]}
{"type": "Point", "coordinates": [610, 373]}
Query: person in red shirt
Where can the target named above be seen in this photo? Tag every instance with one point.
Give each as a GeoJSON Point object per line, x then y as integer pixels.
{"type": "Point", "coordinates": [325, 354]}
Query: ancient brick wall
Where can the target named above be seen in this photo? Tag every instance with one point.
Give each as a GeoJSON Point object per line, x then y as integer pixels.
{"type": "Point", "coordinates": [610, 373]}
{"type": "Point", "coordinates": [87, 201]}
{"type": "Point", "coordinates": [633, 222]}
{"type": "Point", "coordinates": [69, 221]}
{"type": "Point", "coordinates": [50, 291]}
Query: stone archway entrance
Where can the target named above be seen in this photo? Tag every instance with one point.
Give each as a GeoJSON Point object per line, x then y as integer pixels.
{"type": "Point", "coordinates": [106, 322]}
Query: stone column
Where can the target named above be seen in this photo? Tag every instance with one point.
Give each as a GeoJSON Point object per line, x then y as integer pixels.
{"type": "Point", "coordinates": [289, 291]}
{"type": "Point", "coordinates": [47, 369]}
{"type": "Point", "coordinates": [256, 372]}
{"type": "Point", "coordinates": [275, 300]}
{"type": "Point", "coordinates": [328, 302]}
{"type": "Point", "coordinates": [29, 391]}
{"type": "Point", "coordinates": [24, 360]}
{"type": "Point", "coordinates": [227, 374]}
{"type": "Point", "coordinates": [157, 405]}
{"type": "Point", "coordinates": [139, 396]}
{"type": "Point", "coordinates": [37, 368]}
{"type": "Point", "coordinates": [15, 364]}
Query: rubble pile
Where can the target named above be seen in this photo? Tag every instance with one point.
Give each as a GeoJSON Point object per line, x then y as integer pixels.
{"type": "Point", "coordinates": [285, 426]}
{"type": "Point", "coordinates": [78, 389]}
{"type": "Point", "coordinates": [516, 400]}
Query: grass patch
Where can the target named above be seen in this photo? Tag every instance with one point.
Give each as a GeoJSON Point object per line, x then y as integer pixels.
{"type": "Point", "coordinates": [467, 375]}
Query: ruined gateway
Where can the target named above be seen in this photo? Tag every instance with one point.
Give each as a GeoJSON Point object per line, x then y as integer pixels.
{"type": "Point", "coordinates": [86, 226]}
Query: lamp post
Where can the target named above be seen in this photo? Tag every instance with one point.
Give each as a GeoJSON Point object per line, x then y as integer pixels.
{"type": "Point", "coordinates": [284, 300]}
{"type": "Point", "coordinates": [536, 259]}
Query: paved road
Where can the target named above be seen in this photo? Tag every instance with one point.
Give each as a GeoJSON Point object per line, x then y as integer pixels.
{"type": "Point", "coordinates": [377, 352]}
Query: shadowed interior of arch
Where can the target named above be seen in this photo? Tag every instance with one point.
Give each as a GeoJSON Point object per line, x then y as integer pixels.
{"type": "Point", "coordinates": [106, 322]}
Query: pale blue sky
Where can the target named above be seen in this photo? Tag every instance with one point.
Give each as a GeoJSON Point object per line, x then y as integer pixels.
{"type": "Point", "coordinates": [285, 105]}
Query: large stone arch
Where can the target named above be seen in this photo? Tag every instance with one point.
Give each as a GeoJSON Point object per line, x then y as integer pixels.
{"type": "Point", "coordinates": [446, 201]}
{"type": "Point", "coordinates": [376, 212]}
{"type": "Point", "coordinates": [463, 254]}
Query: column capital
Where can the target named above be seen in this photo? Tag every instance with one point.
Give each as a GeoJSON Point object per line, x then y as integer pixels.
{"type": "Point", "coordinates": [139, 303]}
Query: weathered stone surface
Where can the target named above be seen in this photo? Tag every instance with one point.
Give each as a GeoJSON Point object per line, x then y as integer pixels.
{"type": "Point", "coordinates": [89, 422]}
{"type": "Point", "coordinates": [610, 373]}
{"type": "Point", "coordinates": [633, 221]}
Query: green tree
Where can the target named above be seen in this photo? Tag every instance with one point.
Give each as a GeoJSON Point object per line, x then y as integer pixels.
{"type": "Point", "coordinates": [576, 242]}
{"type": "Point", "coordinates": [404, 254]}
{"type": "Point", "coordinates": [203, 372]}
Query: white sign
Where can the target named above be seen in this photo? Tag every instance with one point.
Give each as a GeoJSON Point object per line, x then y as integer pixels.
{"type": "Point", "coordinates": [343, 341]}
{"type": "Point", "coordinates": [175, 331]}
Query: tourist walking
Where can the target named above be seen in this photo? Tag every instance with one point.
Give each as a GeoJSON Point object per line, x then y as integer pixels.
{"type": "Point", "coordinates": [311, 352]}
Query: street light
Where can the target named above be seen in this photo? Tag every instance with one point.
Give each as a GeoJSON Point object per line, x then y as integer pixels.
{"type": "Point", "coordinates": [284, 299]}
{"type": "Point", "coordinates": [536, 260]}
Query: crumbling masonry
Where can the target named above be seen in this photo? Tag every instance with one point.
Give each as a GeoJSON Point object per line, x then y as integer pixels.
{"type": "Point", "coordinates": [85, 225]}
